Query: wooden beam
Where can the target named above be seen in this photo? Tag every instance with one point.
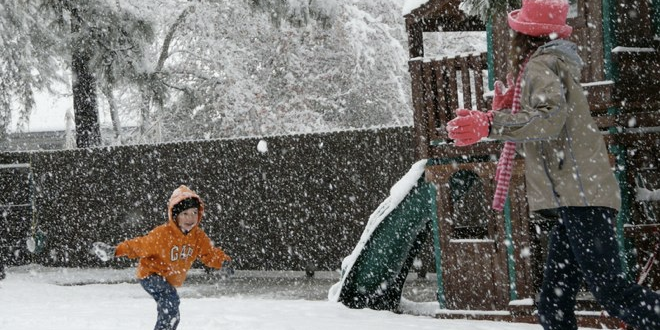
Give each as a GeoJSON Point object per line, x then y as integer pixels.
{"type": "Point", "coordinates": [415, 38]}
{"type": "Point", "coordinates": [420, 118]}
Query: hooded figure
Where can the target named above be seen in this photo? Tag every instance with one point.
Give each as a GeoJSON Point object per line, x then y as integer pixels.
{"type": "Point", "coordinates": [167, 252]}
{"type": "Point", "coordinates": [567, 171]}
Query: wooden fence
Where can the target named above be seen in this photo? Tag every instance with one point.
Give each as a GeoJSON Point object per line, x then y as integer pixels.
{"type": "Point", "coordinates": [305, 200]}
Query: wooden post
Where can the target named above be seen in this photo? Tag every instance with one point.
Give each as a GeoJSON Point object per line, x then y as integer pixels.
{"type": "Point", "coordinates": [415, 37]}
{"type": "Point", "coordinates": [420, 117]}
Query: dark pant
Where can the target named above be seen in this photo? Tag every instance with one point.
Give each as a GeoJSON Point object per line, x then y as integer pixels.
{"type": "Point", "coordinates": [583, 246]}
{"type": "Point", "coordinates": [167, 300]}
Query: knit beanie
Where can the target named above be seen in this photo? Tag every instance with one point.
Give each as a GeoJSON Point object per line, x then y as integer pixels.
{"type": "Point", "coordinates": [184, 205]}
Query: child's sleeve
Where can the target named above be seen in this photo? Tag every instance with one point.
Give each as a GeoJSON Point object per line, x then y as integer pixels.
{"type": "Point", "coordinates": [210, 255]}
{"type": "Point", "coordinates": [138, 247]}
{"type": "Point", "coordinates": [544, 107]}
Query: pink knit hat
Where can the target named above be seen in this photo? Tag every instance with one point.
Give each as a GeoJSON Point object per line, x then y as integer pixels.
{"type": "Point", "coordinates": [541, 18]}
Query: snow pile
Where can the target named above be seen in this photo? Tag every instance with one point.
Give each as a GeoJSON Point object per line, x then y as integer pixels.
{"type": "Point", "coordinates": [29, 299]}
{"type": "Point", "coordinates": [397, 193]}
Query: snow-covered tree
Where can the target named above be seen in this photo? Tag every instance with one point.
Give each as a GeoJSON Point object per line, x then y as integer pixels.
{"type": "Point", "coordinates": [106, 46]}
{"type": "Point", "coordinates": [234, 69]}
{"type": "Point", "coordinates": [29, 49]}
{"type": "Point", "coordinates": [221, 68]}
{"type": "Point", "coordinates": [297, 12]}
{"type": "Point", "coordinates": [100, 41]}
{"type": "Point", "coordinates": [485, 8]}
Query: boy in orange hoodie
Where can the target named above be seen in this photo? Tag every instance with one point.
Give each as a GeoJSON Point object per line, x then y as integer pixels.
{"type": "Point", "coordinates": [167, 253]}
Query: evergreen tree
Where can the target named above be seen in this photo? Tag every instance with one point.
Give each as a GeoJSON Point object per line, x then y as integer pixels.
{"type": "Point", "coordinates": [107, 44]}
{"type": "Point", "coordinates": [29, 57]}
{"type": "Point", "coordinates": [99, 39]}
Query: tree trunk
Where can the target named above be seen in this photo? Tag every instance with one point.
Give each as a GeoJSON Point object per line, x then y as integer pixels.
{"type": "Point", "coordinates": [107, 89]}
{"type": "Point", "coordinates": [88, 131]}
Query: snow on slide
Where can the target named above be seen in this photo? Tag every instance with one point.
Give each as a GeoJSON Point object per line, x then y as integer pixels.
{"type": "Point", "coordinates": [374, 273]}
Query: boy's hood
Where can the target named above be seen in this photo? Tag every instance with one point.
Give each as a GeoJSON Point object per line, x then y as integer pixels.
{"type": "Point", "coordinates": [180, 194]}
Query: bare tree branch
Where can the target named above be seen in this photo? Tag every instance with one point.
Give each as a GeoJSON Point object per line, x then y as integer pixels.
{"type": "Point", "coordinates": [164, 51]}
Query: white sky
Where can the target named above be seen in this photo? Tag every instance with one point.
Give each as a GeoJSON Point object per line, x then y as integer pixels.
{"type": "Point", "coordinates": [49, 114]}
{"type": "Point", "coordinates": [50, 110]}
{"type": "Point", "coordinates": [410, 5]}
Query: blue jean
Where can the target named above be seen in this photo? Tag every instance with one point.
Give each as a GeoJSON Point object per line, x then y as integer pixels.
{"type": "Point", "coordinates": [583, 246]}
{"type": "Point", "coordinates": [167, 301]}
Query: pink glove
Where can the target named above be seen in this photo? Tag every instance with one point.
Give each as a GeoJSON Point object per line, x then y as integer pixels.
{"type": "Point", "coordinates": [469, 126]}
{"type": "Point", "coordinates": [503, 98]}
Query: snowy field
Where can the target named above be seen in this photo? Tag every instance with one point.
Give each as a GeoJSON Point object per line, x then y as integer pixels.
{"type": "Point", "coordinates": [34, 297]}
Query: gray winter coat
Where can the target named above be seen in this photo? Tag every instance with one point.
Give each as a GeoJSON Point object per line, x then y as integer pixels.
{"type": "Point", "coordinates": [566, 160]}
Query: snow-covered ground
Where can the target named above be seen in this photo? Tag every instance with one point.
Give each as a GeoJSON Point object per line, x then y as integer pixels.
{"type": "Point", "coordinates": [34, 297]}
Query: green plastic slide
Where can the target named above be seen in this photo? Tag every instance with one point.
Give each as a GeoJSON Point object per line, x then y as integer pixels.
{"type": "Point", "coordinates": [374, 274]}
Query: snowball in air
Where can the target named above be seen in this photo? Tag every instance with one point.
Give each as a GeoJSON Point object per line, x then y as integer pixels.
{"type": "Point", "coordinates": [262, 146]}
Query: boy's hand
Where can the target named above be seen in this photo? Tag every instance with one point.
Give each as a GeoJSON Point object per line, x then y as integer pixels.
{"type": "Point", "coordinates": [103, 251]}
{"type": "Point", "coordinates": [228, 267]}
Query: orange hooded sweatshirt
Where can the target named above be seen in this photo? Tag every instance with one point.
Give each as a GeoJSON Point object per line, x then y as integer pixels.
{"type": "Point", "coordinates": [167, 251]}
